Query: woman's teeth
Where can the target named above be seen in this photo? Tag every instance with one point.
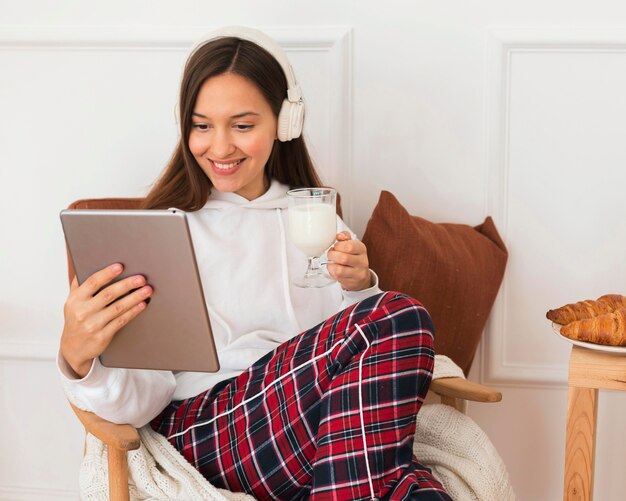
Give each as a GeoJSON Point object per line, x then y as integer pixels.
{"type": "Point", "coordinates": [227, 166]}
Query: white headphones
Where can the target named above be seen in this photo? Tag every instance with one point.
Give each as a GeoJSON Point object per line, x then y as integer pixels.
{"type": "Point", "coordinates": [291, 116]}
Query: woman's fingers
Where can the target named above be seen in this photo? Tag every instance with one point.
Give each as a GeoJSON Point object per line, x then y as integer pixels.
{"type": "Point", "coordinates": [346, 244]}
{"type": "Point", "coordinates": [95, 312]}
{"type": "Point", "coordinates": [120, 321]}
{"type": "Point", "coordinates": [98, 280]}
{"type": "Point", "coordinates": [346, 259]}
{"type": "Point", "coordinates": [350, 278]}
{"type": "Point", "coordinates": [117, 290]}
{"type": "Point", "coordinates": [343, 235]}
{"type": "Point", "coordinates": [120, 307]}
{"type": "Point", "coordinates": [348, 262]}
{"type": "Point", "coordinates": [349, 253]}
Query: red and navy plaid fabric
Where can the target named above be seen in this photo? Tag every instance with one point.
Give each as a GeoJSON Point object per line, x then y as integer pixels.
{"type": "Point", "coordinates": [328, 415]}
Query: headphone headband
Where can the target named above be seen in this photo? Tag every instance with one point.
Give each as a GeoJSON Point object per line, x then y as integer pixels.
{"type": "Point", "coordinates": [294, 93]}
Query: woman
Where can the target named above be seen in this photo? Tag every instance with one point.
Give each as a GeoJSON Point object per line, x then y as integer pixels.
{"type": "Point", "coordinates": [318, 389]}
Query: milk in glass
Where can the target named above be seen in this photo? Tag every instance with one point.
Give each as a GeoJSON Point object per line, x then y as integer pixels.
{"type": "Point", "coordinates": [313, 227]}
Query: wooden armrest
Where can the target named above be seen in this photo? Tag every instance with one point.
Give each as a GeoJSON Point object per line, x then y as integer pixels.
{"type": "Point", "coordinates": [120, 436]}
{"type": "Point", "coordinates": [457, 387]}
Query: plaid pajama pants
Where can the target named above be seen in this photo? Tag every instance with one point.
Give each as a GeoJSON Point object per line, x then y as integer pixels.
{"type": "Point", "coordinates": [328, 415]}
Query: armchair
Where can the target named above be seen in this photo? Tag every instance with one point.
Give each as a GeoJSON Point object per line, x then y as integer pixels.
{"type": "Point", "coordinates": [119, 439]}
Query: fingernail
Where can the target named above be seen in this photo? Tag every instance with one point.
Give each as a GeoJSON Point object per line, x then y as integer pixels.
{"type": "Point", "coordinates": [117, 267]}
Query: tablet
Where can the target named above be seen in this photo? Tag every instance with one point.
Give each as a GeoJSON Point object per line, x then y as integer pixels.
{"type": "Point", "coordinates": [174, 331]}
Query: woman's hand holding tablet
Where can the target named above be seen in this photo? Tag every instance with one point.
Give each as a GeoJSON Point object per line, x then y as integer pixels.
{"type": "Point", "coordinates": [95, 312]}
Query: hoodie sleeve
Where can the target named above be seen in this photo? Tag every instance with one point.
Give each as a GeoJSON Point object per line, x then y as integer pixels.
{"type": "Point", "coordinates": [122, 396]}
{"type": "Point", "coordinates": [352, 297]}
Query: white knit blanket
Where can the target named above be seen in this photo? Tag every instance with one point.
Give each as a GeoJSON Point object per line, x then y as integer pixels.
{"type": "Point", "coordinates": [458, 452]}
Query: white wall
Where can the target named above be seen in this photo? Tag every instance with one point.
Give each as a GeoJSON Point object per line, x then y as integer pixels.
{"type": "Point", "coordinates": [461, 109]}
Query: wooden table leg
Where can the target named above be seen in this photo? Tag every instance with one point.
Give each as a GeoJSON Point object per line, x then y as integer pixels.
{"type": "Point", "coordinates": [580, 443]}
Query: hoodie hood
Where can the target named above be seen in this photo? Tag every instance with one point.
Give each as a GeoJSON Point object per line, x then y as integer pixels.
{"type": "Point", "coordinates": [273, 198]}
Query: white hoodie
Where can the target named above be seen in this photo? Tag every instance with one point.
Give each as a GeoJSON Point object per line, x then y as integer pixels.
{"type": "Point", "coordinates": [246, 262]}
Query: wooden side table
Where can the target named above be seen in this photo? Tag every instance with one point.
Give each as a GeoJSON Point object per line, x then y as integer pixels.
{"type": "Point", "coordinates": [589, 370]}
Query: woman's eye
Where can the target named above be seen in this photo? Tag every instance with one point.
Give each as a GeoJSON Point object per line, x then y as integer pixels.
{"type": "Point", "coordinates": [200, 126]}
{"type": "Point", "coordinates": [243, 127]}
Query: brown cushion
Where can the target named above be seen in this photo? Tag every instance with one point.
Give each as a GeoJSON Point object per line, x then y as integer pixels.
{"type": "Point", "coordinates": [454, 270]}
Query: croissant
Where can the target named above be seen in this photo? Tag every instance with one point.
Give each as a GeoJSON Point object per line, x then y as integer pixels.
{"type": "Point", "coordinates": [587, 309]}
{"type": "Point", "coordinates": [608, 329]}
{"type": "Point", "coordinates": [616, 301]}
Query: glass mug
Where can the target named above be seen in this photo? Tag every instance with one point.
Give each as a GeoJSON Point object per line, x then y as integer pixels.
{"type": "Point", "coordinates": [312, 216]}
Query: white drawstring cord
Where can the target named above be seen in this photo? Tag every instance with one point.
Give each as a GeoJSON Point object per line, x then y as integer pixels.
{"type": "Point", "coordinates": [285, 272]}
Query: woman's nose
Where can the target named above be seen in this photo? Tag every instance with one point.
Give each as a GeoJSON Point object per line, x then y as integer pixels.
{"type": "Point", "coordinates": [222, 144]}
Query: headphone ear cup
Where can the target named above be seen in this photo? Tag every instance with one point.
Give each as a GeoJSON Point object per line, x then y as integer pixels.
{"type": "Point", "coordinates": [290, 120]}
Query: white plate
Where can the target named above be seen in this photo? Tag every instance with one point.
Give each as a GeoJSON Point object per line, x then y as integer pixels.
{"type": "Point", "coordinates": [592, 346]}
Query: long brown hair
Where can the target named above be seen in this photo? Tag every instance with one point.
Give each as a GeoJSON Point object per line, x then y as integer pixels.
{"type": "Point", "coordinates": [183, 184]}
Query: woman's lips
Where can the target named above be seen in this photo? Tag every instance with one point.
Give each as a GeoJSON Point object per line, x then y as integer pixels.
{"type": "Point", "coordinates": [226, 168]}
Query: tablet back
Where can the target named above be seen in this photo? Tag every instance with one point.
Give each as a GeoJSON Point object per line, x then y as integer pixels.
{"type": "Point", "coordinates": [174, 331]}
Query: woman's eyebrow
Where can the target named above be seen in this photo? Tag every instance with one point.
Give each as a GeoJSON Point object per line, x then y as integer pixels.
{"type": "Point", "coordinates": [245, 113]}
{"type": "Point", "coordinates": [238, 115]}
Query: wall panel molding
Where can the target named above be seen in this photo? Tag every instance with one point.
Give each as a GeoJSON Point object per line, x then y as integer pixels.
{"type": "Point", "coordinates": [502, 44]}
{"type": "Point", "coordinates": [20, 493]}
{"type": "Point", "coordinates": [178, 38]}
{"type": "Point", "coordinates": [28, 351]}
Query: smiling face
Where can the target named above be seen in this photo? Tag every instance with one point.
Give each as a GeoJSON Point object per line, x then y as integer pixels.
{"type": "Point", "coordinates": [232, 134]}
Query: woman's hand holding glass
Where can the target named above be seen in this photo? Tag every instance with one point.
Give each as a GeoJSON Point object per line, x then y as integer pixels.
{"type": "Point", "coordinates": [93, 318]}
{"type": "Point", "coordinates": [348, 263]}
